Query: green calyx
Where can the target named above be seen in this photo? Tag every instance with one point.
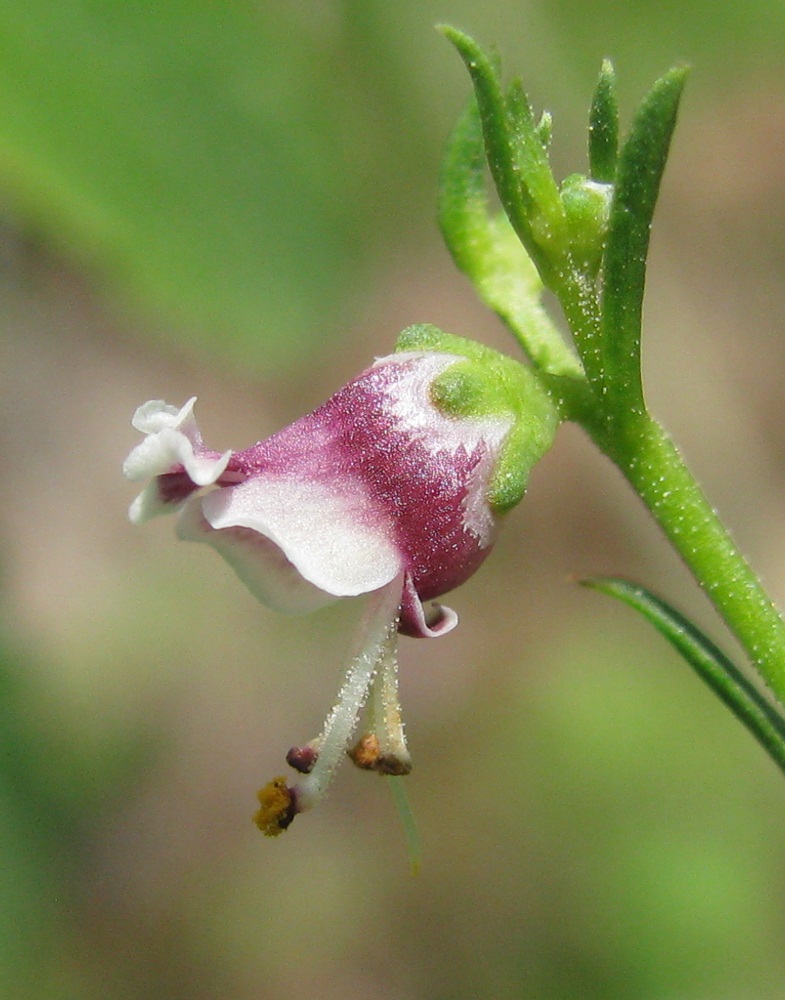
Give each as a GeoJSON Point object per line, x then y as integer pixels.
{"type": "Point", "coordinates": [489, 384]}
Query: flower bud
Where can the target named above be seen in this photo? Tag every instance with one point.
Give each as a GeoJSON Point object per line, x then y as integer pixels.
{"type": "Point", "coordinates": [587, 207]}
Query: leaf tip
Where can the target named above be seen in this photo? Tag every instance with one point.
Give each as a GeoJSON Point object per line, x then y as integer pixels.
{"type": "Point", "coordinates": [458, 38]}
{"type": "Point", "coordinates": [471, 53]}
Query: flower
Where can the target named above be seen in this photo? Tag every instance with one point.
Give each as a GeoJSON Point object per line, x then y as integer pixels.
{"type": "Point", "coordinates": [392, 488]}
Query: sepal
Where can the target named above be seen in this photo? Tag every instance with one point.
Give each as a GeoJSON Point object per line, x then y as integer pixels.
{"type": "Point", "coordinates": [485, 385]}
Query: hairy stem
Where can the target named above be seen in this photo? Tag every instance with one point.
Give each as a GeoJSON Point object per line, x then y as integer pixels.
{"type": "Point", "coordinates": [656, 470]}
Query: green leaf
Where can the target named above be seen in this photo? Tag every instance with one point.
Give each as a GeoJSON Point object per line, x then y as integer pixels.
{"type": "Point", "coordinates": [638, 175]}
{"type": "Point", "coordinates": [604, 127]}
{"type": "Point", "coordinates": [517, 160]}
{"type": "Point", "coordinates": [709, 662]}
{"type": "Point", "coordinates": [493, 112]}
{"type": "Point", "coordinates": [546, 217]}
{"type": "Point", "coordinates": [486, 249]}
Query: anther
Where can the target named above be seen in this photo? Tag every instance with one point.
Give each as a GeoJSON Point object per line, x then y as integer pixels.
{"type": "Point", "coordinates": [278, 807]}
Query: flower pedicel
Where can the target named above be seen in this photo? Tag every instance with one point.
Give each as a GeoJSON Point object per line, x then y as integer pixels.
{"type": "Point", "coordinates": [392, 488]}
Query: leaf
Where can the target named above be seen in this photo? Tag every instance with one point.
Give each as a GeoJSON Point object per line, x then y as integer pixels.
{"type": "Point", "coordinates": [486, 249]}
{"type": "Point", "coordinates": [547, 217]}
{"type": "Point", "coordinates": [727, 681]}
{"type": "Point", "coordinates": [604, 127]}
{"type": "Point", "coordinates": [517, 160]}
{"type": "Point", "coordinates": [514, 195]}
{"type": "Point", "coordinates": [638, 175]}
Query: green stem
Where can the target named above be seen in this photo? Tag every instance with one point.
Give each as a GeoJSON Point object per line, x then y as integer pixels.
{"type": "Point", "coordinates": [654, 467]}
{"type": "Point", "coordinates": [580, 302]}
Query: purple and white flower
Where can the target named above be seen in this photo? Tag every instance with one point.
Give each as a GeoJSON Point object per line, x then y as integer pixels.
{"type": "Point", "coordinates": [379, 491]}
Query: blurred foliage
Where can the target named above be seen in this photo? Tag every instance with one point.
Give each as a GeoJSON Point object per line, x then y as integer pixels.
{"type": "Point", "coordinates": [242, 178]}
{"type": "Point", "coordinates": [210, 162]}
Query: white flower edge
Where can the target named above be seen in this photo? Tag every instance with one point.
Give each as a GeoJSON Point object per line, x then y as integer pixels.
{"type": "Point", "coordinates": [172, 440]}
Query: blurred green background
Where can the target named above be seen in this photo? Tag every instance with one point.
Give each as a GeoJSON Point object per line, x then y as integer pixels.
{"type": "Point", "coordinates": [236, 200]}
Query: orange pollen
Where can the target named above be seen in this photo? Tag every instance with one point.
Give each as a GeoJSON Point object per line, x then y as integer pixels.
{"type": "Point", "coordinates": [276, 810]}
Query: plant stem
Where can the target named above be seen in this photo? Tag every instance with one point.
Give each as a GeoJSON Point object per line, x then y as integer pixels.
{"type": "Point", "coordinates": [656, 470]}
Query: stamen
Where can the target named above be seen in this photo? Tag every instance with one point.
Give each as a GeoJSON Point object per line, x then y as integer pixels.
{"type": "Point", "coordinates": [378, 639]}
{"type": "Point", "coordinates": [383, 748]}
{"type": "Point", "coordinates": [394, 757]}
{"type": "Point", "coordinates": [365, 753]}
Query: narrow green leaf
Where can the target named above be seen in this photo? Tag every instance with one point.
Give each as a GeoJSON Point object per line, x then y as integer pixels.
{"type": "Point", "coordinates": [638, 175]}
{"type": "Point", "coordinates": [546, 215]}
{"type": "Point", "coordinates": [463, 212]}
{"type": "Point", "coordinates": [493, 112]}
{"type": "Point", "coordinates": [604, 127]}
{"type": "Point", "coordinates": [709, 662]}
{"type": "Point", "coordinates": [516, 157]}
{"type": "Point", "coordinates": [486, 249]}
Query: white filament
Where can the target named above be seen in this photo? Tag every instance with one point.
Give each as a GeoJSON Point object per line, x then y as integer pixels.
{"type": "Point", "coordinates": [378, 639]}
